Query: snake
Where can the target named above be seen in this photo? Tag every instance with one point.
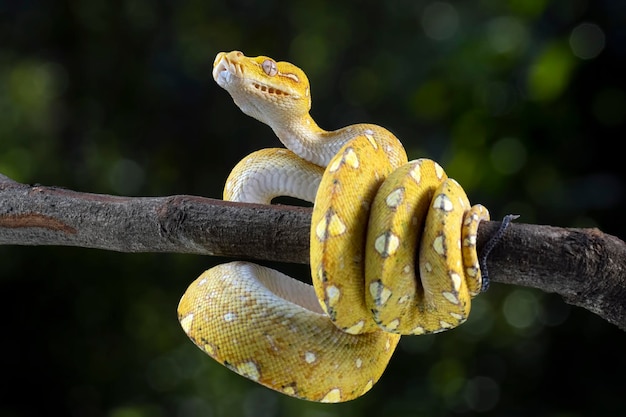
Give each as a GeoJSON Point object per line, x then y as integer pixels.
{"type": "Point", "coordinates": [392, 248]}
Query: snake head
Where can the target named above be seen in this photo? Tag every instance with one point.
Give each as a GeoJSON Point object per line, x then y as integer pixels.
{"type": "Point", "coordinates": [271, 92]}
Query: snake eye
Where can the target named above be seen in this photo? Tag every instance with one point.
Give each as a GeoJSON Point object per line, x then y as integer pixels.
{"type": "Point", "coordinates": [269, 67]}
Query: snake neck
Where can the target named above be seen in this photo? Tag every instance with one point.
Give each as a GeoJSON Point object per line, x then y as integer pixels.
{"type": "Point", "coordinates": [306, 139]}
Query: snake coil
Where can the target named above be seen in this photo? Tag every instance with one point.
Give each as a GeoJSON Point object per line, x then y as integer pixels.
{"type": "Point", "coordinates": [373, 211]}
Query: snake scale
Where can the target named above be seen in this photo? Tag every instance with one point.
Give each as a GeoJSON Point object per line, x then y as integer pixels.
{"type": "Point", "coordinates": [374, 212]}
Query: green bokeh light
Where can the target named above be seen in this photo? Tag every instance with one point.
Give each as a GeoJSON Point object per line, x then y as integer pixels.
{"type": "Point", "coordinates": [550, 73]}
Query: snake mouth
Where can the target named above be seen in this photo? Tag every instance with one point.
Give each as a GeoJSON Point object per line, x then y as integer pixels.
{"type": "Point", "coordinates": [269, 90]}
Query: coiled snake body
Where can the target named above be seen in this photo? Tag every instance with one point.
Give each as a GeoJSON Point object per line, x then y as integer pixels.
{"type": "Point", "coordinates": [331, 342]}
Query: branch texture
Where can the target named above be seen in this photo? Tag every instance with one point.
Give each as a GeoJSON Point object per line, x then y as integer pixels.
{"type": "Point", "coordinates": [585, 266]}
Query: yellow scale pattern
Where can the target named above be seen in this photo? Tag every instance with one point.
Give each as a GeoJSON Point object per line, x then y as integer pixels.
{"type": "Point", "coordinates": [373, 213]}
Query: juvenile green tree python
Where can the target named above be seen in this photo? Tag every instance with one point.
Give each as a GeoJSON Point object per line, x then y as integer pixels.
{"type": "Point", "coordinates": [373, 211]}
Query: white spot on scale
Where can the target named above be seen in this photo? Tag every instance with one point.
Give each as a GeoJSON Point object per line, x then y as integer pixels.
{"type": "Point", "coordinates": [394, 199]}
{"type": "Point", "coordinates": [186, 322]}
{"type": "Point", "coordinates": [439, 171]}
{"type": "Point", "coordinates": [332, 293]}
{"type": "Point", "coordinates": [369, 135]}
{"type": "Point", "coordinates": [387, 344]}
{"type": "Point", "coordinates": [320, 229]}
{"type": "Point", "coordinates": [358, 362]}
{"type": "Point", "coordinates": [320, 274]}
{"type": "Point", "coordinates": [445, 325]}
{"type": "Point", "coordinates": [418, 330]}
{"type": "Point", "coordinates": [443, 202]}
{"type": "Point", "coordinates": [202, 282]}
{"type": "Point", "coordinates": [416, 173]}
{"type": "Point", "coordinates": [336, 163]}
{"type": "Point", "coordinates": [450, 297]}
{"type": "Point", "coordinates": [470, 241]}
{"type": "Point", "coordinates": [379, 293]}
{"type": "Point", "coordinates": [230, 316]}
{"type": "Point", "coordinates": [387, 244]}
{"type": "Point", "coordinates": [472, 272]}
{"type": "Point", "coordinates": [335, 226]}
{"type": "Point", "coordinates": [393, 325]}
{"type": "Point", "coordinates": [459, 317]}
{"type": "Point", "coordinates": [351, 158]}
{"type": "Point", "coordinates": [209, 349]}
{"type": "Point", "coordinates": [439, 246]}
{"type": "Point", "coordinates": [456, 280]}
{"type": "Point", "coordinates": [309, 357]}
{"type": "Point", "coordinates": [329, 226]}
{"type": "Point", "coordinates": [367, 387]}
{"type": "Point", "coordinates": [356, 328]}
{"type": "Point", "coordinates": [333, 396]}
{"type": "Point", "coordinates": [249, 370]}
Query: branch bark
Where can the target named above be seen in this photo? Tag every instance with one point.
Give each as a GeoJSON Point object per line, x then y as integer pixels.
{"type": "Point", "coordinates": [585, 266]}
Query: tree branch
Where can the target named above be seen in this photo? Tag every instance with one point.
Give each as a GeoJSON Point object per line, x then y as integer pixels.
{"type": "Point", "coordinates": [38, 215]}
{"type": "Point", "coordinates": [585, 266]}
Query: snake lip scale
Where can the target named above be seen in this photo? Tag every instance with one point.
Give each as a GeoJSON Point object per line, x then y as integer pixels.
{"type": "Point", "coordinates": [373, 212]}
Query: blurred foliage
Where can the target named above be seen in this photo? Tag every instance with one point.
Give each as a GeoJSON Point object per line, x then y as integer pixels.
{"type": "Point", "coordinates": [523, 101]}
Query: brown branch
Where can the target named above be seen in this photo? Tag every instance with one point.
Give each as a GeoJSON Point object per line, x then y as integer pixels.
{"type": "Point", "coordinates": [37, 215]}
{"type": "Point", "coordinates": [585, 266]}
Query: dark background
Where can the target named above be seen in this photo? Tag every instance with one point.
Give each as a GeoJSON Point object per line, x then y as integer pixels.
{"type": "Point", "coordinates": [522, 101]}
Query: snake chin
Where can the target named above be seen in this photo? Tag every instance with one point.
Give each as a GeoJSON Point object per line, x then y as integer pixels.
{"type": "Point", "coordinates": [222, 75]}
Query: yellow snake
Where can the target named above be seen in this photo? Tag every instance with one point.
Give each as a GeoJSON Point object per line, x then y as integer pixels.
{"type": "Point", "coordinates": [331, 342]}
